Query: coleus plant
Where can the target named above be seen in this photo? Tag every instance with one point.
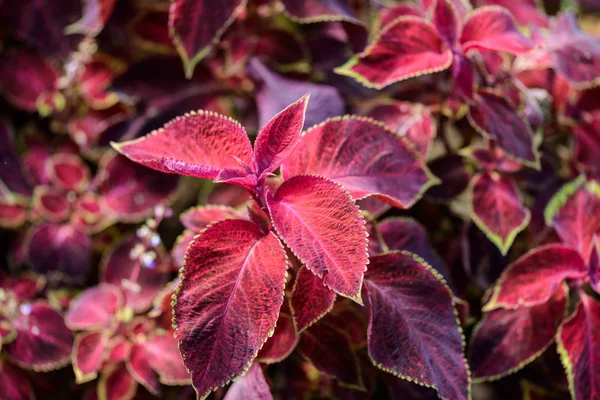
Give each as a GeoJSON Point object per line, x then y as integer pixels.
{"type": "Point", "coordinates": [235, 271]}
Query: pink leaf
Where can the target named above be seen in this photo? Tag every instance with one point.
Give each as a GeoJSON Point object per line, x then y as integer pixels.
{"type": "Point", "coordinates": [363, 156]}
{"type": "Point", "coordinates": [493, 28]}
{"type": "Point", "coordinates": [579, 349]}
{"type": "Point", "coordinates": [413, 330]}
{"type": "Point", "coordinates": [199, 144]}
{"type": "Point", "coordinates": [94, 308]}
{"type": "Point", "coordinates": [279, 137]}
{"type": "Point", "coordinates": [196, 25]}
{"type": "Point", "coordinates": [507, 340]}
{"type": "Point", "coordinates": [163, 355]}
{"type": "Point", "coordinates": [498, 209]}
{"type": "Point", "coordinates": [89, 353]}
{"type": "Point", "coordinates": [311, 300]}
{"type": "Point", "coordinates": [116, 383]}
{"type": "Point", "coordinates": [49, 204]}
{"type": "Point", "coordinates": [319, 10]}
{"type": "Point", "coordinates": [14, 383]}
{"type": "Point", "coordinates": [535, 276]}
{"type": "Point", "coordinates": [252, 386]}
{"type": "Point", "coordinates": [228, 300]}
{"type": "Point", "coordinates": [320, 223]}
{"type": "Point", "coordinates": [95, 15]}
{"type": "Point", "coordinates": [68, 172]}
{"type": "Point", "coordinates": [406, 48]}
{"type": "Point", "coordinates": [446, 21]}
{"type": "Point", "coordinates": [198, 218]}
{"type": "Point", "coordinates": [282, 343]}
{"type": "Point", "coordinates": [139, 367]}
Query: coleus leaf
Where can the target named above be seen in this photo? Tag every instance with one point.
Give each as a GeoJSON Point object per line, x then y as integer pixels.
{"type": "Point", "coordinates": [89, 353]}
{"type": "Point", "coordinates": [14, 383]}
{"type": "Point", "coordinates": [68, 172]}
{"type": "Point", "coordinates": [574, 213]}
{"type": "Point", "coordinates": [507, 340]}
{"type": "Point", "coordinates": [330, 351]}
{"type": "Point", "coordinates": [533, 392]}
{"type": "Point", "coordinates": [139, 367]}
{"type": "Point", "coordinates": [95, 15]}
{"type": "Point", "coordinates": [320, 223]}
{"type": "Point", "coordinates": [498, 209]}
{"type": "Point", "coordinates": [535, 276]}
{"type": "Point", "coordinates": [408, 47]}
{"type": "Point", "coordinates": [363, 156]}
{"type": "Point", "coordinates": [43, 342]}
{"type": "Point", "coordinates": [306, 11]}
{"type": "Point", "coordinates": [579, 349]}
{"type": "Point", "coordinates": [413, 330]}
{"type": "Point", "coordinates": [49, 204]}
{"type": "Point", "coordinates": [198, 218]}
{"type": "Point", "coordinates": [11, 169]}
{"type": "Point", "coordinates": [310, 299]}
{"type": "Point", "coordinates": [252, 386]}
{"type": "Point", "coordinates": [196, 25]}
{"type": "Point", "coordinates": [282, 343]}
{"type": "Point", "coordinates": [496, 118]}
{"type": "Point", "coordinates": [163, 355]}
{"type": "Point", "coordinates": [525, 12]}
{"type": "Point", "coordinates": [116, 383]}
{"type": "Point", "coordinates": [13, 212]}
{"type": "Point", "coordinates": [94, 308]}
{"type": "Point", "coordinates": [446, 20]}
{"type": "Point", "coordinates": [228, 300]}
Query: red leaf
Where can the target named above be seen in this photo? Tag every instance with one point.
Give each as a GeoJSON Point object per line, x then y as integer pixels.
{"type": "Point", "coordinates": [138, 366]}
{"type": "Point", "coordinates": [320, 223]}
{"type": "Point", "coordinates": [94, 308]}
{"type": "Point", "coordinates": [228, 300]}
{"type": "Point", "coordinates": [200, 144]}
{"type": "Point", "coordinates": [11, 168]}
{"type": "Point", "coordinates": [282, 343]}
{"type": "Point", "coordinates": [494, 117]}
{"type": "Point", "coordinates": [43, 342]}
{"type": "Point", "coordinates": [13, 213]}
{"type": "Point", "coordinates": [14, 383]}
{"type": "Point", "coordinates": [364, 157]}
{"type": "Point", "coordinates": [49, 204]}
{"type": "Point", "coordinates": [95, 15]}
{"type": "Point", "coordinates": [493, 28]}
{"type": "Point", "coordinates": [311, 300]}
{"type": "Point", "coordinates": [446, 21]}
{"type": "Point", "coordinates": [89, 353]}
{"type": "Point", "coordinates": [116, 383]}
{"type": "Point", "coordinates": [163, 355]}
{"type": "Point", "coordinates": [406, 48]}
{"type": "Point", "coordinates": [198, 218]}
{"type": "Point", "coordinates": [526, 12]}
{"type": "Point", "coordinates": [498, 209]}
{"type": "Point", "coordinates": [579, 349]}
{"type": "Point", "coordinates": [196, 25]}
{"type": "Point", "coordinates": [574, 212]}
{"type": "Point", "coordinates": [507, 340]}
{"type": "Point", "coordinates": [306, 11]}
{"type": "Point", "coordinates": [413, 329]}
{"type": "Point", "coordinates": [68, 172]}
{"type": "Point", "coordinates": [252, 386]}
{"type": "Point", "coordinates": [330, 351]}
{"type": "Point", "coordinates": [535, 276]}
{"type": "Point", "coordinates": [279, 137]}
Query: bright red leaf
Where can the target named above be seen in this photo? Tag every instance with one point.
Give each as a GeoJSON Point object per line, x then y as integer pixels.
{"type": "Point", "coordinates": [310, 299]}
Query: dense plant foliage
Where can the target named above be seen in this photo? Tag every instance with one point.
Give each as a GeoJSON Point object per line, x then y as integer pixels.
{"type": "Point", "coordinates": [292, 199]}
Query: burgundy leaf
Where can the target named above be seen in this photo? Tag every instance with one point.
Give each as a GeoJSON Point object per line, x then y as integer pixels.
{"type": "Point", "coordinates": [365, 157]}
{"type": "Point", "coordinates": [319, 10]}
{"type": "Point", "coordinates": [95, 15]}
{"type": "Point", "coordinates": [251, 386]}
{"type": "Point", "coordinates": [494, 117]}
{"type": "Point", "coordinates": [406, 48]}
{"type": "Point", "coordinates": [14, 383]}
{"type": "Point", "coordinates": [310, 300]}
{"type": "Point", "coordinates": [446, 21]}
{"type": "Point", "coordinates": [526, 12]}
{"type": "Point", "coordinates": [498, 209]}
{"type": "Point", "coordinates": [228, 300]}
{"type": "Point", "coordinates": [181, 245]}
{"type": "Point", "coordinates": [454, 175]}
{"type": "Point", "coordinates": [68, 172]}
{"type": "Point", "coordinates": [279, 137]}
{"type": "Point", "coordinates": [196, 25]}
{"type": "Point", "coordinates": [11, 169]}
{"type": "Point", "coordinates": [13, 213]}
{"type": "Point", "coordinates": [89, 353]}
{"type": "Point", "coordinates": [507, 340]}
{"type": "Point", "coordinates": [94, 308]}
{"type": "Point", "coordinates": [320, 223]}
{"type": "Point", "coordinates": [49, 204]}
{"type": "Point", "coordinates": [198, 218]}
{"type": "Point", "coordinates": [199, 144]}
{"type": "Point", "coordinates": [535, 276]}
{"type": "Point", "coordinates": [116, 383]}
{"type": "Point", "coordinates": [282, 343]}
{"type": "Point", "coordinates": [163, 355]}
{"type": "Point", "coordinates": [579, 349]}
{"type": "Point", "coordinates": [413, 330]}
{"type": "Point", "coordinates": [138, 366]}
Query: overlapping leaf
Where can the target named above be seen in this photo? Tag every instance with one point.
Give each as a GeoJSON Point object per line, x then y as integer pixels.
{"type": "Point", "coordinates": [252, 386]}
{"type": "Point", "coordinates": [310, 299]}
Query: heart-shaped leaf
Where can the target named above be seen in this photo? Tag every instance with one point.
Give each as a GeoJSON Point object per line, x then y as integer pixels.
{"type": "Point", "coordinates": [282, 343]}
{"type": "Point", "coordinates": [94, 308]}
{"type": "Point", "coordinates": [311, 300]}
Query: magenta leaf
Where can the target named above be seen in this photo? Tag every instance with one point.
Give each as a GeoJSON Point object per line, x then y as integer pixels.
{"type": "Point", "coordinates": [252, 386]}
{"type": "Point", "coordinates": [198, 218]}
{"type": "Point", "coordinates": [199, 144]}
{"type": "Point", "coordinates": [365, 157]}
{"type": "Point", "coordinates": [507, 340]}
{"type": "Point", "coordinates": [282, 343]}
{"type": "Point", "coordinates": [498, 209]}
{"type": "Point", "coordinates": [89, 353]}
{"type": "Point", "coordinates": [95, 15]}
{"type": "Point", "coordinates": [446, 20]}
{"type": "Point", "coordinates": [14, 383]}
{"type": "Point", "coordinates": [525, 12]}
{"type": "Point", "coordinates": [196, 25]}
{"type": "Point", "coordinates": [320, 223]}
{"type": "Point", "coordinates": [116, 383]}
{"type": "Point", "coordinates": [330, 351]}
{"type": "Point", "coordinates": [43, 342]}
{"type": "Point", "coordinates": [496, 118]}
{"type": "Point", "coordinates": [307, 11]}
{"type": "Point", "coordinates": [68, 172]}
{"type": "Point", "coordinates": [11, 169]}
{"type": "Point", "coordinates": [94, 308]}
{"type": "Point", "coordinates": [228, 300]}
{"type": "Point", "coordinates": [139, 367]}
{"type": "Point", "coordinates": [579, 349]}
{"type": "Point", "coordinates": [13, 212]}
{"type": "Point", "coordinates": [279, 137]}
{"type": "Point", "coordinates": [163, 355]}
{"type": "Point", "coordinates": [49, 204]}
{"type": "Point", "coordinates": [413, 330]}
{"type": "Point", "coordinates": [408, 47]}
{"type": "Point", "coordinates": [535, 276]}
{"type": "Point", "coordinates": [311, 300]}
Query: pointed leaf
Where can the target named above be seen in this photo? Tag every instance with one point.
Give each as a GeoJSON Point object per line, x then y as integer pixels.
{"type": "Point", "coordinates": [116, 383]}
{"type": "Point", "coordinates": [363, 156]}
{"type": "Point", "coordinates": [320, 223]}
{"type": "Point", "coordinates": [279, 137]}
{"type": "Point", "coordinates": [579, 349]}
{"type": "Point", "coordinates": [199, 144]}
{"type": "Point", "coordinates": [498, 209]}
{"type": "Point", "coordinates": [311, 299]}
{"type": "Point", "coordinates": [68, 172]}
{"type": "Point", "coordinates": [198, 218]}
{"type": "Point", "coordinates": [252, 386]}
{"type": "Point", "coordinates": [14, 383]}
{"type": "Point", "coordinates": [228, 300]}
{"type": "Point", "coordinates": [535, 276]}
{"type": "Point", "coordinates": [507, 340]}
{"type": "Point", "coordinates": [282, 343]}
{"type": "Point", "coordinates": [413, 329]}
{"type": "Point", "coordinates": [306, 11]}
{"type": "Point", "coordinates": [49, 204]}
{"type": "Point", "coordinates": [89, 353]}
{"type": "Point", "coordinates": [406, 48]}
{"type": "Point", "coordinates": [94, 308]}
{"type": "Point", "coordinates": [446, 21]}
{"type": "Point", "coordinates": [138, 366]}
{"type": "Point", "coordinates": [163, 355]}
